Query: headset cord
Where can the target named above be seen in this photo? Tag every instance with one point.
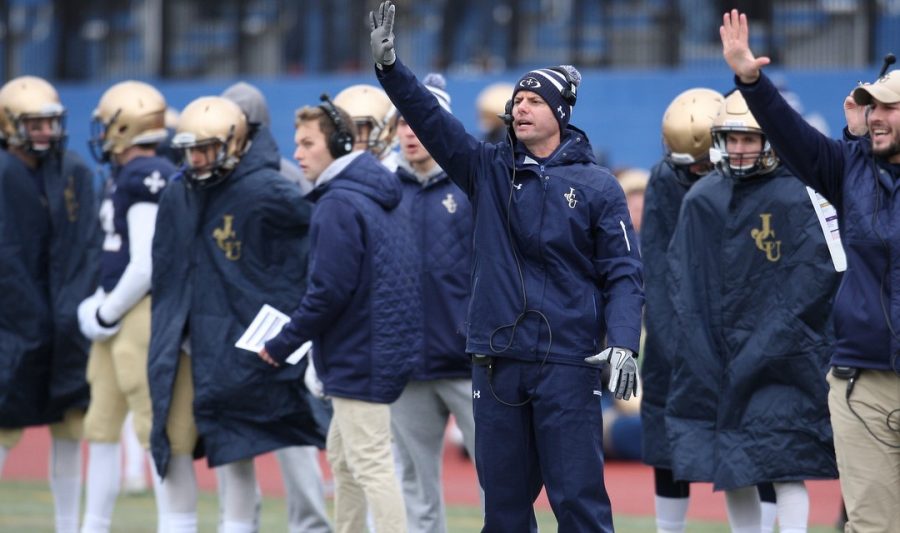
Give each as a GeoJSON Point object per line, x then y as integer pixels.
{"type": "Point", "coordinates": [891, 425]}
{"type": "Point", "coordinates": [525, 311]}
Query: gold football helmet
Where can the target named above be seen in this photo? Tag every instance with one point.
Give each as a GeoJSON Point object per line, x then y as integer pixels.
{"type": "Point", "coordinates": [212, 132]}
{"type": "Point", "coordinates": [31, 115]}
{"type": "Point", "coordinates": [491, 103]}
{"type": "Point", "coordinates": [130, 113]}
{"type": "Point", "coordinates": [686, 126]}
{"type": "Point", "coordinates": [373, 113]}
{"type": "Point", "coordinates": [734, 116]}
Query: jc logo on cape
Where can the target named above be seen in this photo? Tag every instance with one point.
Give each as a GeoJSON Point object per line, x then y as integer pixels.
{"type": "Point", "coordinates": [226, 239]}
{"type": "Point", "coordinates": [71, 198]}
{"type": "Point", "coordinates": [765, 238]}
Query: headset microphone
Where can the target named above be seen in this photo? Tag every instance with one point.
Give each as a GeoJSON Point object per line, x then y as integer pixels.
{"type": "Point", "coordinates": [889, 60]}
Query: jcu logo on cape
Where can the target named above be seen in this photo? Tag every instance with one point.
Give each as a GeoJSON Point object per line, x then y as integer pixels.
{"type": "Point", "coordinates": [765, 238]}
{"type": "Point", "coordinates": [71, 198]}
{"type": "Point", "coordinates": [225, 238]}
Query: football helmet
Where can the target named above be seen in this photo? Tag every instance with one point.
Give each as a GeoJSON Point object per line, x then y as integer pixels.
{"type": "Point", "coordinates": [23, 101]}
{"type": "Point", "coordinates": [686, 126]}
{"type": "Point", "coordinates": [212, 133]}
{"type": "Point", "coordinates": [130, 113]}
{"type": "Point", "coordinates": [734, 117]}
{"type": "Point", "coordinates": [491, 103]}
{"type": "Point", "coordinates": [373, 113]}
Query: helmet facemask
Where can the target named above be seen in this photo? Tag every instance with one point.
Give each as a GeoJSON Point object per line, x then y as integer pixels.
{"type": "Point", "coordinates": [742, 165]}
{"type": "Point", "coordinates": [206, 161]}
{"type": "Point", "coordinates": [32, 118]}
{"type": "Point", "coordinates": [735, 118]}
{"type": "Point", "coordinates": [40, 134]}
{"type": "Point", "coordinates": [212, 134]}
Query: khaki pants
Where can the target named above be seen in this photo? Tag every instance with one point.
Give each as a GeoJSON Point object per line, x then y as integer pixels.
{"type": "Point", "coordinates": [869, 469]}
{"type": "Point", "coordinates": [359, 451]}
{"type": "Point", "coordinates": [117, 374]}
{"type": "Point", "coordinates": [180, 426]}
{"type": "Point", "coordinates": [69, 428]}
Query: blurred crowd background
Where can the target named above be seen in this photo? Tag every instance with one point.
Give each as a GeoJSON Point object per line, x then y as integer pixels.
{"type": "Point", "coordinates": [636, 54]}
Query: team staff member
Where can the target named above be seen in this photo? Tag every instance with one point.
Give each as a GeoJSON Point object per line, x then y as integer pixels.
{"type": "Point", "coordinates": [128, 123]}
{"type": "Point", "coordinates": [358, 312]}
{"type": "Point", "coordinates": [441, 382]}
{"type": "Point", "coordinates": [232, 237]}
{"type": "Point", "coordinates": [50, 243]}
{"type": "Point", "coordinates": [859, 177]}
{"type": "Point", "coordinates": [557, 271]}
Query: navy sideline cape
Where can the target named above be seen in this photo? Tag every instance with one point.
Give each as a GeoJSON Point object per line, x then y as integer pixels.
{"type": "Point", "coordinates": [752, 284]}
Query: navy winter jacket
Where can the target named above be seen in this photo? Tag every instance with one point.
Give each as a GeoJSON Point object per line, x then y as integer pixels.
{"type": "Point", "coordinates": [571, 277]}
{"type": "Point", "coordinates": [49, 242]}
{"type": "Point", "coordinates": [74, 274]}
{"type": "Point", "coordinates": [662, 201]}
{"type": "Point", "coordinates": [360, 306]}
{"type": "Point", "coordinates": [219, 254]}
{"type": "Point", "coordinates": [863, 189]}
{"type": "Point", "coordinates": [751, 286]}
{"type": "Point", "coordinates": [441, 218]}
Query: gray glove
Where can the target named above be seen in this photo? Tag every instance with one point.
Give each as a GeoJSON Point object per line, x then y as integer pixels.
{"type": "Point", "coordinates": [624, 377]}
{"type": "Point", "coordinates": [381, 22]}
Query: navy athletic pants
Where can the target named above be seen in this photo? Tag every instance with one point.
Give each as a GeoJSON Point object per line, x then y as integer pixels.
{"type": "Point", "coordinates": [555, 439]}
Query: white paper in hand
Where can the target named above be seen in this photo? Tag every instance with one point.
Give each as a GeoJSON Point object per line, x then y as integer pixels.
{"type": "Point", "coordinates": [268, 323]}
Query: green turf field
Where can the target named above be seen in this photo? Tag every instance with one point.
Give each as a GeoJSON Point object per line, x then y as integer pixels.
{"type": "Point", "coordinates": [27, 507]}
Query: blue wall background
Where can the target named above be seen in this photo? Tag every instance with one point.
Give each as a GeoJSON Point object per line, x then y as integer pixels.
{"type": "Point", "coordinates": [621, 111]}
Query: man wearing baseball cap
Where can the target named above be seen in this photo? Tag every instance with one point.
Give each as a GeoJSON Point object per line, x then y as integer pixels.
{"type": "Point", "coordinates": [557, 278]}
{"type": "Point", "coordinates": [860, 178]}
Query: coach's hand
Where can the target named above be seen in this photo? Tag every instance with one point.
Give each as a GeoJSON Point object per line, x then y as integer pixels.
{"type": "Point", "coordinates": [735, 34]}
{"type": "Point", "coordinates": [381, 22]}
{"type": "Point", "coordinates": [855, 115]}
{"type": "Point", "coordinates": [89, 319]}
{"type": "Point", "coordinates": [624, 377]}
{"type": "Point", "coordinates": [267, 357]}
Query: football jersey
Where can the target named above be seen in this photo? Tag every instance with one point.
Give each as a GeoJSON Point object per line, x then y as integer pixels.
{"type": "Point", "coordinates": [142, 179]}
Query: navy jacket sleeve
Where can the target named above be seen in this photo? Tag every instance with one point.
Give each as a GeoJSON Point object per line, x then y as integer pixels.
{"type": "Point", "coordinates": [335, 266]}
{"type": "Point", "coordinates": [286, 207]}
{"type": "Point", "coordinates": [814, 158]}
{"type": "Point", "coordinates": [442, 134]}
{"type": "Point", "coordinates": [617, 262]}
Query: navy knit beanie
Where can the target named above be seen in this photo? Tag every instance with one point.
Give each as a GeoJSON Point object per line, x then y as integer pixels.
{"type": "Point", "coordinates": [551, 84]}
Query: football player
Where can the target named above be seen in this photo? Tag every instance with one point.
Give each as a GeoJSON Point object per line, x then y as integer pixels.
{"type": "Point", "coordinates": [232, 237]}
{"type": "Point", "coordinates": [375, 118]}
{"type": "Point", "coordinates": [50, 243]}
{"type": "Point", "coordinates": [128, 124]}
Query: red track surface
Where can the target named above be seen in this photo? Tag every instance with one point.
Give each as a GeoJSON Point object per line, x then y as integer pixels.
{"type": "Point", "coordinates": [630, 485]}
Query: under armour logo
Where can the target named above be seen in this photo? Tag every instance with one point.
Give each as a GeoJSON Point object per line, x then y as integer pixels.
{"type": "Point", "coordinates": [570, 197]}
{"type": "Point", "coordinates": [530, 83]}
{"type": "Point", "coordinates": [154, 182]}
{"type": "Point", "coordinates": [562, 114]}
{"type": "Point", "coordinates": [476, 394]}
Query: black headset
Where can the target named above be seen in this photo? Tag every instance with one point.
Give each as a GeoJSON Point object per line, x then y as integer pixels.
{"type": "Point", "coordinates": [569, 94]}
{"type": "Point", "coordinates": [340, 142]}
